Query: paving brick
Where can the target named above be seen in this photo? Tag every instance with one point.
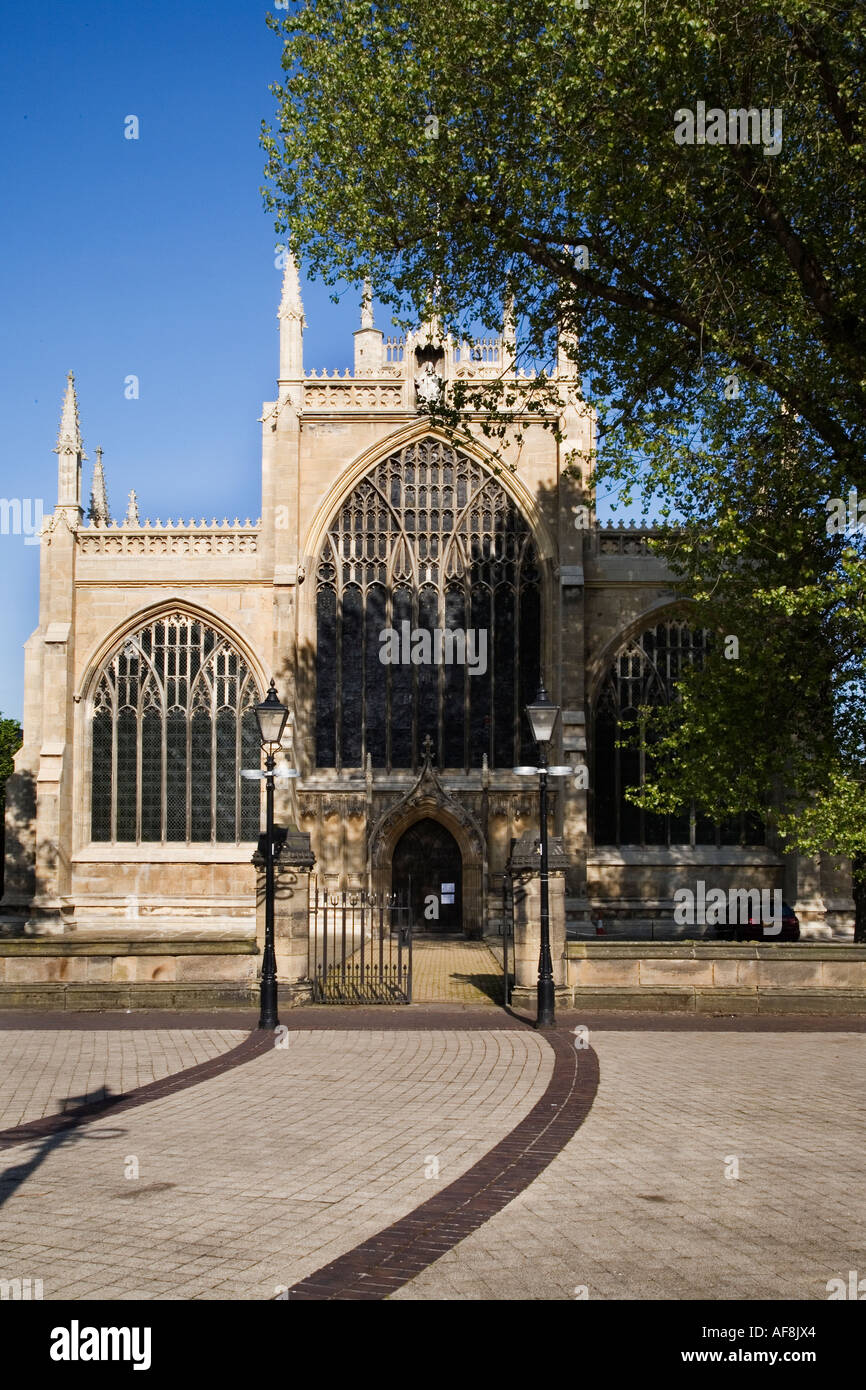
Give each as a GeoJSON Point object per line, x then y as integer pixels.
{"type": "Point", "coordinates": [664, 1120]}
{"type": "Point", "coordinates": [327, 1115]}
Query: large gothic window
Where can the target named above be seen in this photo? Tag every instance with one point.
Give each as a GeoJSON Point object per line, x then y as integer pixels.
{"type": "Point", "coordinates": [427, 540]}
{"type": "Point", "coordinates": [645, 674]}
{"type": "Point", "coordinates": [172, 727]}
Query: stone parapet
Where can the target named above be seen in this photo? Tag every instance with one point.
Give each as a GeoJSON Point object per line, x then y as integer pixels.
{"type": "Point", "coordinates": [105, 967]}
{"type": "Point", "coordinates": [811, 977]}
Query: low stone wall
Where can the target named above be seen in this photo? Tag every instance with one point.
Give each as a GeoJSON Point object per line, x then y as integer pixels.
{"type": "Point", "coordinates": [718, 977]}
{"type": "Point", "coordinates": [81, 971]}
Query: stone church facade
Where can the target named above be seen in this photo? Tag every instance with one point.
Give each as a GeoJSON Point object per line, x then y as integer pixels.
{"type": "Point", "coordinates": [127, 817]}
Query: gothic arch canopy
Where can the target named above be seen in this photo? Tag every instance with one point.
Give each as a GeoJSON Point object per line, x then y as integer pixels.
{"type": "Point", "coordinates": [659, 611]}
{"type": "Point", "coordinates": [428, 798]}
{"type": "Point", "coordinates": [165, 606]}
{"type": "Point", "coordinates": [171, 726]}
{"type": "Point", "coordinates": [641, 672]}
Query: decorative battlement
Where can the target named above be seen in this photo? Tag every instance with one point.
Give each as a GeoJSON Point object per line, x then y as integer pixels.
{"type": "Point", "coordinates": [485, 358]}
{"type": "Point", "coordinates": [171, 538]}
{"type": "Point", "coordinates": [351, 395]}
{"type": "Point", "coordinates": [386, 376]}
{"type": "Point", "coordinates": [629, 538]}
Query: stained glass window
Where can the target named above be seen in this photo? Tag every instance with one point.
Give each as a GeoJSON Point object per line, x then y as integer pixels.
{"type": "Point", "coordinates": [428, 542]}
{"type": "Point", "coordinates": [172, 727]}
{"type": "Point", "coordinates": [645, 674]}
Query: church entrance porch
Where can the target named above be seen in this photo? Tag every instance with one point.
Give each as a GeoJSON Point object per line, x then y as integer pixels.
{"type": "Point", "coordinates": [445, 857]}
{"type": "Point", "coordinates": [427, 873]}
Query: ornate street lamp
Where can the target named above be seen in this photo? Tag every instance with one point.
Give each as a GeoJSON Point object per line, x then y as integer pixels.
{"type": "Point", "coordinates": [542, 715]}
{"type": "Point", "coordinates": [271, 717]}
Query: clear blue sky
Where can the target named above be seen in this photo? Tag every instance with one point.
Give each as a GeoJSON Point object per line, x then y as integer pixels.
{"type": "Point", "coordinates": [151, 257]}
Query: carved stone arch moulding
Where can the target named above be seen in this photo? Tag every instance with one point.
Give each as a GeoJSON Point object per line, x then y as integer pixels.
{"type": "Point", "coordinates": [165, 607]}
{"type": "Point", "coordinates": [171, 725]}
{"type": "Point", "coordinates": [420, 431]}
{"type": "Point", "coordinates": [665, 608]}
{"type": "Point", "coordinates": [461, 823]}
{"type": "Point", "coordinates": [429, 799]}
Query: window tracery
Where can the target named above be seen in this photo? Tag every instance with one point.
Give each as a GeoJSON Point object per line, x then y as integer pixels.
{"type": "Point", "coordinates": [644, 673]}
{"type": "Point", "coordinates": [431, 539]}
{"type": "Point", "coordinates": [172, 725]}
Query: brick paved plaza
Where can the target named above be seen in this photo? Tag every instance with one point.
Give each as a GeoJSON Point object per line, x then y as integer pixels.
{"type": "Point", "coordinates": [606, 1171]}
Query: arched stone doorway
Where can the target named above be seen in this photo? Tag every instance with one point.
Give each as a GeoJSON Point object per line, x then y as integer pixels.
{"type": "Point", "coordinates": [429, 801]}
{"type": "Point", "coordinates": [427, 872]}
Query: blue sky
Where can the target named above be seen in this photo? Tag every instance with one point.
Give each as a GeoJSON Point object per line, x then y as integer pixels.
{"type": "Point", "coordinates": [151, 257]}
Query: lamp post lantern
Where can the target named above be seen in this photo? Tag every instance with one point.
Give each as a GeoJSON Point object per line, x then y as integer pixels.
{"type": "Point", "coordinates": [271, 717]}
{"type": "Point", "coordinates": [542, 714]}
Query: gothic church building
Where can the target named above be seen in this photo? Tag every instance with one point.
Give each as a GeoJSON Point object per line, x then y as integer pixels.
{"type": "Point", "coordinates": [127, 817]}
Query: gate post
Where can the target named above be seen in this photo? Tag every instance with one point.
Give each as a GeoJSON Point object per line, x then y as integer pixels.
{"type": "Point", "coordinates": [294, 860]}
{"type": "Point", "coordinates": [524, 865]}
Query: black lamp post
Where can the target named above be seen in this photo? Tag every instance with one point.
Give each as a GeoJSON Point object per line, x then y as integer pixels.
{"type": "Point", "coordinates": [542, 715]}
{"type": "Point", "coordinates": [271, 716]}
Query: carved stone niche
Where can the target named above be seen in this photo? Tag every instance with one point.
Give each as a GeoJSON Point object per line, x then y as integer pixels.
{"type": "Point", "coordinates": [293, 863]}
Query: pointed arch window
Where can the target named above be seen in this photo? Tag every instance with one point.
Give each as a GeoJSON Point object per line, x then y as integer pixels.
{"type": "Point", "coordinates": [427, 541]}
{"type": "Point", "coordinates": [645, 674]}
{"type": "Point", "coordinates": [172, 726]}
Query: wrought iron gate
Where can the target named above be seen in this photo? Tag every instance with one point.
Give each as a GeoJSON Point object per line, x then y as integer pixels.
{"type": "Point", "coordinates": [360, 947]}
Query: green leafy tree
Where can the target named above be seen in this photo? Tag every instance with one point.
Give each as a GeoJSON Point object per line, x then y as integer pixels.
{"type": "Point", "coordinates": [10, 742]}
{"type": "Point", "coordinates": [472, 147]}
{"type": "Point", "coordinates": [778, 705]}
{"type": "Point", "coordinates": [475, 156]}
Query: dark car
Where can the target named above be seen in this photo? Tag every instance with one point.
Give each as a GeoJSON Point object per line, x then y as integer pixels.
{"type": "Point", "coordinates": [754, 929]}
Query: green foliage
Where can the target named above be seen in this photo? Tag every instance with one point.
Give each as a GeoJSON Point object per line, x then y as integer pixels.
{"type": "Point", "coordinates": [556, 129]}
{"type": "Point", "coordinates": [779, 703]}
{"type": "Point", "coordinates": [10, 742]}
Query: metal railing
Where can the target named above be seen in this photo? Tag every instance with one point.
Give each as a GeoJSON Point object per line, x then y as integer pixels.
{"type": "Point", "coordinates": [360, 947]}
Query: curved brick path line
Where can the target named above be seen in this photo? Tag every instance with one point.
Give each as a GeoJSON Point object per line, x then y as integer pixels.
{"type": "Point", "coordinates": [379, 1266]}
{"type": "Point", "coordinates": [252, 1046]}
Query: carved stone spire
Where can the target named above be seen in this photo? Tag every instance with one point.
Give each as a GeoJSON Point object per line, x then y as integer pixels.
{"type": "Point", "coordinates": [132, 511]}
{"type": "Point", "coordinates": [70, 450]}
{"type": "Point", "coordinates": [291, 304]}
{"type": "Point", "coordinates": [99, 514]}
{"type": "Point", "coordinates": [70, 429]}
{"type": "Point", "coordinates": [367, 306]}
{"type": "Point", "coordinates": [509, 335]}
{"type": "Point", "coordinates": [292, 323]}
{"type": "Point", "coordinates": [369, 340]}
